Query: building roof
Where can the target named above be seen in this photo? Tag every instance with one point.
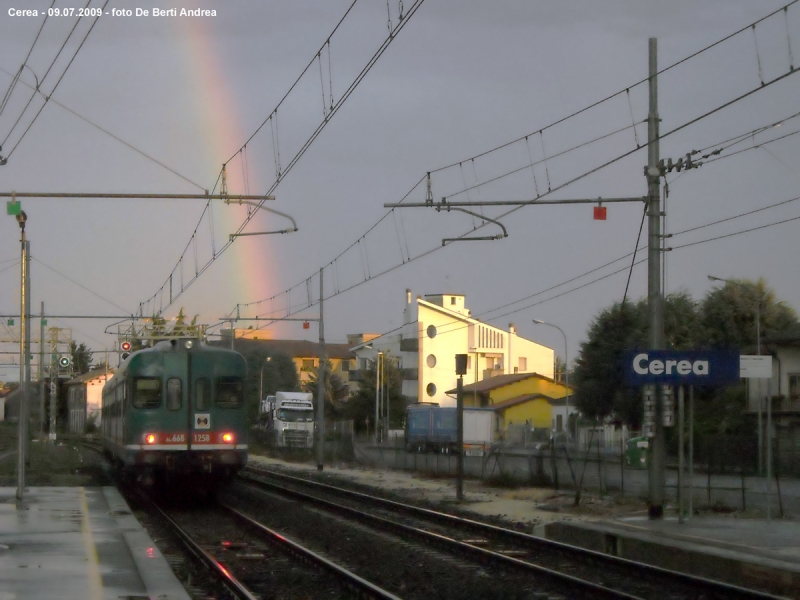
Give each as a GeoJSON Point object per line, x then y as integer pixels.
{"type": "Point", "coordinates": [520, 400]}
{"type": "Point", "coordinates": [492, 383]}
{"type": "Point", "coordinates": [292, 348]}
{"type": "Point", "coordinates": [93, 374]}
{"type": "Point", "coordinates": [789, 337]}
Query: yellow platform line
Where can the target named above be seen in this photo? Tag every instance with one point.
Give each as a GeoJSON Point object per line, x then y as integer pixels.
{"type": "Point", "coordinates": [95, 580]}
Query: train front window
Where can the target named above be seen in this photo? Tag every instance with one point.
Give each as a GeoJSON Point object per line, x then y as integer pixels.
{"type": "Point", "coordinates": [174, 393]}
{"type": "Point", "coordinates": [202, 393]}
{"type": "Point", "coordinates": [229, 392]}
{"type": "Point", "coordinates": [292, 415]}
{"type": "Point", "coordinates": [147, 392]}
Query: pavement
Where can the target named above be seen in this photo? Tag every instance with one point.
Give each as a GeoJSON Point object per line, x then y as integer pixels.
{"type": "Point", "coordinates": [78, 543]}
{"type": "Point", "coordinates": [526, 508]}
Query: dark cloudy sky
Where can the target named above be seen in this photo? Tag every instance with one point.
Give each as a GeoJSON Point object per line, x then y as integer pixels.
{"type": "Point", "coordinates": [460, 78]}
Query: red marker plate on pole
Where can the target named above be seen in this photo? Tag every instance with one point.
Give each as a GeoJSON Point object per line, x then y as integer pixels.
{"type": "Point", "coordinates": [599, 213]}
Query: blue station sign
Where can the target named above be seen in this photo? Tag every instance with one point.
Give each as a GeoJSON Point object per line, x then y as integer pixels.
{"type": "Point", "coordinates": [693, 367]}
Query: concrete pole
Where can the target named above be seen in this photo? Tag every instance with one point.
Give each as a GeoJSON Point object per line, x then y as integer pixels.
{"type": "Point", "coordinates": [27, 404]}
{"type": "Point", "coordinates": [321, 385]}
{"type": "Point", "coordinates": [769, 454]}
{"type": "Point", "coordinates": [460, 438]}
{"type": "Point", "coordinates": [41, 373]}
{"type": "Point", "coordinates": [377, 396]}
{"type": "Point", "coordinates": [691, 449]}
{"type": "Point", "coordinates": [758, 391]}
{"type": "Point", "coordinates": [654, 299]}
{"type": "Point", "coordinates": [53, 381]}
{"type": "Point", "coordinates": [680, 453]}
{"type": "Point", "coordinates": [23, 391]}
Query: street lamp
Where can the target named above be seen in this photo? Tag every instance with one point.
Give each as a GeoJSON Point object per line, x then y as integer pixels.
{"type": "Point", "coordinates": [566, 375]}
{"type": "Point", "coordinates": [261, 379]}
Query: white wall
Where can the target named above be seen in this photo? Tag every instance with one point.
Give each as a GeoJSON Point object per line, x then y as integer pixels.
{"type": "Point", "coordinates": [455, 333]}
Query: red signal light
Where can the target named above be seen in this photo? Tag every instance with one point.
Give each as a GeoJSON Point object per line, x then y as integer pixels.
{"type": "Point", "coordinates": [227, 438]}
{"type": "Point", "coordinates": [150, 438]}
{"type": "Point", "coordinates": [126, 346]}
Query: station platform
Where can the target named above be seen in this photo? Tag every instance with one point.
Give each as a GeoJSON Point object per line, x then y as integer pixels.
{"type": "Point", "coordinates": [78, 543]}
{"type": "Point", "coordinates": [753, 553]}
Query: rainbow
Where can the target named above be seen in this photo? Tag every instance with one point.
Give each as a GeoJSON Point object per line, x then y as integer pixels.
{"type": "Point", "coordinates": [214, 109]}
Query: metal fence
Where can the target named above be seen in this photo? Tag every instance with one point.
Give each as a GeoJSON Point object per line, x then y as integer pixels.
{"type": "Point", "coordinates": [720, 483]}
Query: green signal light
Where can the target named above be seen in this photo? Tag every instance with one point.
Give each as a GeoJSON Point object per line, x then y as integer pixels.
{"type": "Point", "coordinates": [13, 207]}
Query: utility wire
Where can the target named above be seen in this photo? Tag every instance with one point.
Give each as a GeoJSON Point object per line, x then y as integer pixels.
{"type": "Point", "coordinates": [16, 77]}
{"type": "Point", "coordinates": [109, 133]}
{"type": "Point", "coordinates": [47, 98]}
{"type": "Point", "coordinates": [80, 285]}
{"type": "Point", "coordinates": [727, 235]}
{"type": "Point", "coordinates": [569, 182]}
{"type": "Point", "coordinates": [750, 212]}
{"type": "Point", "coordinates": [625, 90]}
{"type": "Point", "coordinates": [334, 109]}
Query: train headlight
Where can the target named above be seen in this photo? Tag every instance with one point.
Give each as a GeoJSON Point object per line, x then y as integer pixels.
{"type": "Point", "coordinates": [227, 438]}
{"type": "Point", "coordinates": [188, 344]}
{"type": "Point", "coordinates": [150, 438]}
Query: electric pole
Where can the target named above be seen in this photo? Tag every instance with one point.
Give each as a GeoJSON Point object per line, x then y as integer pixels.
{"type": "Point", "coordinates": [321, 385]}
{"type": "Point", "coordinates": [655, 307]}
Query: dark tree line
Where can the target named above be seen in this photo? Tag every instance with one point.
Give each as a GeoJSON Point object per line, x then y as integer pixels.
{"type": "Point", "coordinates": [725, 318]}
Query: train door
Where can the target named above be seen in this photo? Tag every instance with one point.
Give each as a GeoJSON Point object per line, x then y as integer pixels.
{"type": "Point", "coordinates": [175, 411]}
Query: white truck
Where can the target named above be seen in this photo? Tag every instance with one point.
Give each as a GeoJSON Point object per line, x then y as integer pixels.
{"type": "Point", "coordinates": [480, 428]}
{"type": "Point", "coordinates": [289, 419]}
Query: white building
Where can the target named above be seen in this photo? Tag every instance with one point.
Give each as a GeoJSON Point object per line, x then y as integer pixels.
{"type": "Point", "coordinates": [426, 346]}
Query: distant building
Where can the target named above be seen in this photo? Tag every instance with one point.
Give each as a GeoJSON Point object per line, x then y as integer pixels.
{"type": "Point", "coordinates": [784, 387]}
{"type": "Point", "coordinates": [522, 398]}
{"type": "Point", "coordinates": [425, 348]}
{"type": "Point", "coordinates": [304, 353]}
{"type": "Point", "coordinates": [84, 398]}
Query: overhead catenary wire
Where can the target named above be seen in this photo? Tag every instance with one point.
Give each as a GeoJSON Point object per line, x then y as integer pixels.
{"type": "Point", "coordinates": [80, 285]}
{"type": "Point", "coordinates": [15, 78]}
{"type": "Point", "coordinates": [338, 104]}
{"type": "Point", "coordinates": [110, 134]}
{"type": "Point", "coordinates": [569, 182]}
{"type": "Point", "coordinates": [63, 73]}
{"type": "Point", "coordinates": [373, 275]}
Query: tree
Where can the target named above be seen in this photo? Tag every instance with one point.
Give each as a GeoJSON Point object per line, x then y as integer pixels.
{"type": "Point", "coordinates": [362, 405]}
{"type": "Point", "coordinates": [279, 373]}
{"type": "Point", "coordinates": [599, 390]}
{"type": "Point", "coordinates": [81, 357]}
{"type": "Point", "coordinates": [724, 319]}
{"type": "Point", "coordinates": [729, 314]}
{"type": "Point", "coordinates": [336, 391]}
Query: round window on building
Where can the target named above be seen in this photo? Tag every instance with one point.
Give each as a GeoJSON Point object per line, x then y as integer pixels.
{"type": "Point", "coordinates": [431, 360]}
{"type": "Point", "coordinates": [431, 389]}
{"type": "Point", "coordinates": [431, 331]}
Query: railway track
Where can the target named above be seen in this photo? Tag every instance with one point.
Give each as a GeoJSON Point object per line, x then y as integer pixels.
{"type": "Point", "coordinates": [252, 561]}
{"type": "Point", "coordinates": [576, 570]}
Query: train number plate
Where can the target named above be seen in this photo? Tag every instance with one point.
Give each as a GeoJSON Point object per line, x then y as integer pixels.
{"type": "Point", "coordinates": [202, 421]}
{"type": "Point", "coordinates": [201, 438]}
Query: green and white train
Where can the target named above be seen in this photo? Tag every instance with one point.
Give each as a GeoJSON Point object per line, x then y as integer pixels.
{"type": "Point", "coordinates": [177, 409]}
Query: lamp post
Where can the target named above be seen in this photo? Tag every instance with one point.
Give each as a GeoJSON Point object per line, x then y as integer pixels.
{"type": "Point", "coordinates": [261, 379]}
{"type": "Point", "coordinates": [566, 376]}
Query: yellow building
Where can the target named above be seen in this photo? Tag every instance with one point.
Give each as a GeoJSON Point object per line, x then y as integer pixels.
{"type": "Point", "coordinates": [521, 398]}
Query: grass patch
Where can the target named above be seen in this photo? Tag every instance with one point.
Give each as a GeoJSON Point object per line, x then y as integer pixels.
{"type": "Point", "coordinates": [50, 464]}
